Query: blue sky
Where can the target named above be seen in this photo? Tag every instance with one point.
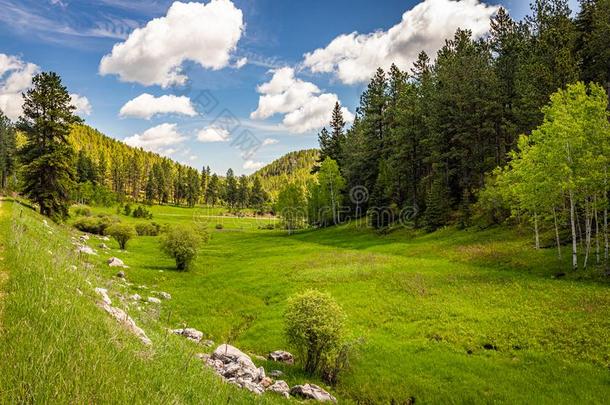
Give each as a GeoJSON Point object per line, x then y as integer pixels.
{"type": "Point", "coordinates": [275, 67]}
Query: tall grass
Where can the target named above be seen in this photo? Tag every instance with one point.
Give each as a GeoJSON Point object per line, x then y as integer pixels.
{"type": "Point", "coordinates": [57, 346]}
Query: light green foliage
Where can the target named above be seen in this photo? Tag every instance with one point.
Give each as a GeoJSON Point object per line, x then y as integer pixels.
{"type": "Point", "coordinates": [182, 244]}
{"type": "Point", "coordinates": [325, 196]}
{"type": "Point", "coordinates": [291, 207]}
{"type": "Point", "coordinates": [147, 229]}
{"type": "Point", "coordinates": [122, 233]}
{"type": "Point", "coordinates": [314, 325]}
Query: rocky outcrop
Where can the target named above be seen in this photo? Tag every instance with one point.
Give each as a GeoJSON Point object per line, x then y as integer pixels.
{"type": "Point", "coordinates": [164, 295]}
{"type": "Point", "coordinates": [121, 316]}
{"type": "Point", "coordinates": [281, 356]}
{"type": "Point", "coordinates": [153, 300]}
{"type": "Point", "coordinates": [312, 391]}
{"type": "Point", "coordinates": [237, 368]}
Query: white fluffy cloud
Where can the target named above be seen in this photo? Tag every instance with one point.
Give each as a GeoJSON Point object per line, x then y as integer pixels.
{"type": "Point", "coordinates": [82, 104]}
{"type": "Point", "coordinates": [213, 134]}
{"type": "Point", "coordinates": [15, 78]}
{"type": "Point", "coordinates": [301, 102]}
{"type": "Point", "coordinates": [270, 141]}
{"type": "Point", "coordinates": [354, 57]}
{"type": "Point", "coordinates": [203, 33]}
{"type": "Point", "coordinates": [252, 165]}
{"type": "Point", "coordinates": [160, 139]}
{"type": "Point", "coordinates": [146, 106]}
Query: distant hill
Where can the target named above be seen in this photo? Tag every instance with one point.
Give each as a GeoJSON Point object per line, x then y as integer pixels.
{"type": "Point", "coordinates": [292, 167]}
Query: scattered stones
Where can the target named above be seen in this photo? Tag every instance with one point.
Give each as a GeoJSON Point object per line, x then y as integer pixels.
{"type": "Point", "coordinates": [104, 238]}
{"type": "Point", "coordinates": [85, 250]}
{"type": "Point", "coordinates": [312, 391]}
{"type": "Point", "coordinates": [237, 368]}
{"type": "Point", "coordinates": [207, 343]}
{"type": "Point", "coordinates": [116, 262]}
{"type": "Point", "coordinates": [135, 297]}
{"type": "Point", "coordinates": [281, 356]}
{"type": "Point", "coordinates": [189, 333]}
{"type": "Point", "coordinates": [275, 373]}
{"type": "Point", "coordinates": [164, 295]}
{"type": "Point", "coordinates": [280, 387]}
{"type": "Point", "coordinates": [45, 223]}
{"type": "Point", "coordinates": [122, 316]}
{"type": "Point", "coordinates": [103, 246]}
{"type": "Point", "coordinates": [153, 300]}
{"type": "Point", "coordinates": [84, 238]}
{"type": "Point", "coordinates": [121, 274]}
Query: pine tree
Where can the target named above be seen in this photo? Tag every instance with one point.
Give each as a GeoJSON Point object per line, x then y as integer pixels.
{"type": "Point", "coordinates": [437, 206]}
{"type": "Point", "coordinates": [213, 192]}
{"type": "Point", "coordinates": [231, 192]}
{"type": "Point", "coordinates": [243, 192]}
{"type": "Point", "coordinates": [7, 150]}
{"type": "Point", "coordinates": [48, 159]}
{"type": "Point", "coordinates": [258, 195]}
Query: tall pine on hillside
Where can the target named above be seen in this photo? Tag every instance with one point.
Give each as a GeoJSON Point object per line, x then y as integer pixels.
{"type": "Point", "coordinates": [48, 159]}
{"type": "Point", "coordinates": [7, 150]}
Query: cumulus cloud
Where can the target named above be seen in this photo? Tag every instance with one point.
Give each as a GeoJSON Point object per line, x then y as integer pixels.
{"type": "Point", "coordinates": [15, 78]}
{"type": "Point", "coordinates": [303, 104]}
{"type": "Point", "coordinates": [213, 134]}
{"type": "Point", "coordinates": [203, 33]}
{"type": "Point", "coordinates": [159, 139]}
{"type": "Point", "coordinates": [252, 165]}
{"type": "Point", "coordinates": [354, 57]}
{"type": "Point", "coordinates": [270, 141]}
{"type": "Point", "coordinates": [147, 105]}
{"type": "Point", "coordinates": [82, 104]}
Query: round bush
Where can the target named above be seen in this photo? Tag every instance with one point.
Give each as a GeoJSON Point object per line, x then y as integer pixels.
{"type": "Point", "coordinates": [147, 229]}
{"type": "Point", "coordinates": [314, 327]}
{"type": "Point", "coordinates": [122, 233]}
{"type": "Point", "coordinates": [181, 243]}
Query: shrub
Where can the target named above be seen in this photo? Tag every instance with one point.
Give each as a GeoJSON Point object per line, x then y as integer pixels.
{"type": "Point", "coordinates": [127, 209]}
{"type": "Point", "coordinates": [88, 224]}
{"type": "Point", "coordinates": [96, 225]}
{"type": "Point", "coordinates": [141, 212]}
{"type": "Point", "coordinates": [314, 327]}
{"type": "Point", "coordinates": [181, 243]}
{"type": "Point", "coordinates": [219, 226]}
{"type": "Point", "coordinates": [147, 229]}
{"type": "Point", "coordinates": [82, 211]}
{"type": "Point", "coordinates": [122, 233]}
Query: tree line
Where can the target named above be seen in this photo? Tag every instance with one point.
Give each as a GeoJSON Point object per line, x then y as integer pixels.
{"type": "Point", "coordinates": [428, 137]}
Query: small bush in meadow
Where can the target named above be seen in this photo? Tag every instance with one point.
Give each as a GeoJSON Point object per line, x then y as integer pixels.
{"type": "Point", "coordinates": [127, 209]}
{"type": "Point", "coordinates": [181, 243]}
{"type": "Point", "coordinates": [88, 224]}
{"type": "Point", "coordinates": [82, 211]}
{"type": "Point", "coordinates": [141, 212]}
{"type": "Point", "coordinates": [147, 229]}
{"type": "Point", "coordinates": [314, 327]}
{"type": "Point", "coordinates": [122, 233]}
{"type": "Point", "coordinates": [219, 226]}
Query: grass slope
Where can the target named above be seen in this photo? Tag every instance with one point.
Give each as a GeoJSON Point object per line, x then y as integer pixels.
{"type": "Point", "coordinates": [450, 317]}
{"type": "Point", "coordinates": [57, 346]}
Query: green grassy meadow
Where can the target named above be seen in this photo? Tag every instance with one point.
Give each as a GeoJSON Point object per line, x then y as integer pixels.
{"type": "Point", "coordinates": [451, 317]}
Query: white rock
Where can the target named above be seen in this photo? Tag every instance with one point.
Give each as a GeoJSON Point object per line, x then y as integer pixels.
{"type": "Point", "coordinates": [154, 300]}
{"type": "Point", "coordinates": [312, 391]}
{"type": "Point", "coordinates": [86, 250]}
{"type": "Point", "coordinates": [164, 295]}
{"type": "Point", "coordinates": [282, 356]}
{"type": "Point", "coordinates": [135, 297]}
{"type": "Point", "coordinates": [104, 294]}
{"type": "Point", "coordinates": [281, 387]}
{"type": "Point", "coordinates": [190, 333]}
{"type": "Point", "coordinates": [115, 262]}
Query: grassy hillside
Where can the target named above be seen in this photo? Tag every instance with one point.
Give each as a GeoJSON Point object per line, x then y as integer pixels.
{"type": "Point", "coordinates": [57, 346]}
{"type": "Point", "coordinates": [292, 167]}
{"type": "Point", "coordinates": [449, 317]}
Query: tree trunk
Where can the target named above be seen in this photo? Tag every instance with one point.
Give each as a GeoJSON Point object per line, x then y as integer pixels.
{"type": "Point", "coordinates": [596, 231]}
{"type": "Point", "coordinates": [557, 234]}
{"type": "Point", "coordinates": [537, 234]}
{"type": "Point", "coordinates": [587, 233]}
{"type": "Point", "coordinates": [573, 228]}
